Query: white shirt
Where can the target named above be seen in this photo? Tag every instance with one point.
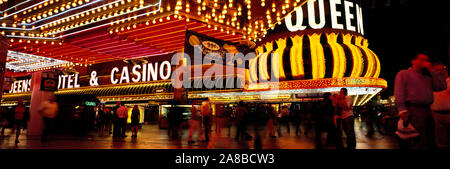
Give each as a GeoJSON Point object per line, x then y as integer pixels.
{"type": "Point", "coordinates": [442, 99]}
{"type": "Point", "coordinates": [348, 112]}
{"type": "Point", "coordinates": [49, 109]}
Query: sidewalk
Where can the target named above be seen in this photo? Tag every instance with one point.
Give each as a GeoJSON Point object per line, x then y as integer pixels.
{"type": "Point", "coordinates": [151, 137]}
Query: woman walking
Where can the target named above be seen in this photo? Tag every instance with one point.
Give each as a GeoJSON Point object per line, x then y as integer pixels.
{"type": "Point", "coordinates": [135, 117]}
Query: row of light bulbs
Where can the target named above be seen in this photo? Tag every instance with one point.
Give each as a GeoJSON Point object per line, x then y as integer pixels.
{"type": "Point", "coordinates": [51, 12]}
{"type": "Point", "coordinates": [168, 18]}
{"type": "Point", "coordinates": [93, 20]}
{"type": "Point", "coordinates": [36, 41]}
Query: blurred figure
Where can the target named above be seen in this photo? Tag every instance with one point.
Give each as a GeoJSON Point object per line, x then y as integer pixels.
{"type": "Point", "coordinates": [348, 120]}
{"type": "Point", "coordinates": [296, 118]}
{"type": "Point", "coordinates": [122, 114]}
{"type": "Point", "coordinates": [48, 110]}
{"type": "Point", "coordinates": [242, 121]}
{"type": "Point", "coordinates": [135, 117]}
{"type": "Point", "coordinates": [116, 124]}
{"type": "Point", "coordinates": [228, 119]}
{"type": "Point", "coordinates": [325, 122]}
{"type": "Point", "coordinates": [373, 118]}
{"type": "Point", "coordinates": [100, 119]}
{"type": "Point", "coordinates": [194, 123]}
{"type": "Point", "coordinates": [337, 120]}
{"type": "Point", "coordinates": [206, 111]}
{"type": "Point", "coordinates": [260, 114]}
{"type": "Point", "coordinates": [107, 121]}
{"type": "Point", "coordinates": [307, 116]}
{"type": "Point", "coordinates": [78, 128]}
{"type": "Point", "coordinates": [220, 118]}
{"type": "Point", "coordinates": [271, 117]}
{"type": "Point", "coordinates": [284, 112]}
{"type": "Point", "coordinates": [413, 93]}
{"type": "Point", "coordinates": [441, 110]}
{"type": "Point", "coordinates": [19, 118]}
{"type": "Point", "coordinates": [174, 117]}
{"type": "Point", "coordinates": [3, 120]}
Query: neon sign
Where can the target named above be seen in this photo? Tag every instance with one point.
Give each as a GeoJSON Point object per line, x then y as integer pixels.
{"type": "Point", "coordinates": [144, 73]}
{"type": "Point", "coordinates": [350, 10]}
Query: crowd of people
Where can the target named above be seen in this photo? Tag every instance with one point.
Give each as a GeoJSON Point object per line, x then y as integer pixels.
{"type": "Point", "coordinates": [115, 120]}
{"type": "Point", "coordinates": [422, 100]}
{"type": "Point", "coordinates": [422, 97]}
{"type": "Point", "coordinates": [333, 115]}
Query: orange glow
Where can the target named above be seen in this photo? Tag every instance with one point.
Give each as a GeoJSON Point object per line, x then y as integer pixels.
{"type": "Point", "coordinates": [320, 83]}
{"type": "Point", "coordinates": [296, 57]}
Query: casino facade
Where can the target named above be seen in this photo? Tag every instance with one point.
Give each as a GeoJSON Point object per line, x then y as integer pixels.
{"type": "Point", "coordinates": [123, 50]}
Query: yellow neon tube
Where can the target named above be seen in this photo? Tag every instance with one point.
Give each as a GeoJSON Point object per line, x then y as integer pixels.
{"type": "Point", "coordinates": [317, 56]}
{"type": "Point", "coordinates": [277, 59]}
{"type": "Point", "coordinates": [370, 60]}
{"type": "Point", "coordinates": [378, 65]}
{"type": "Point", "coordinates": [296, 57]}
{"type": "Point", "coordinates": [252, 67]}
{"type": "Point", "coordinates": [339, 62]}
{"type": "Point", "coordinates": [357, 56]}
{"type": "Point", "coordinates": [262, 67]}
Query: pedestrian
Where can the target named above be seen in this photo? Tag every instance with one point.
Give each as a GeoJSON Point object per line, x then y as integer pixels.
{"type": "Point", "coordinates": [345, 102]}
{"type": "Point", "coordinates": [49, 111]}
{"type": "Point", "coordinates": [107, 121]}
{"type": "Point", "coordinates": [271, 121]}
{"type": "Point", "coordinates": [441, 110]}
{"type": "Point", "coordinates": [19, 118]}
{"type": "Point", "coordinates": [307, 116]}
{"type": "Point", "coordinates": [78, 129]}
{"type": "Point", "coordinates": [413, 93]}
{"type": "Point", "coordinates": [260, 115]}
{"type": "Point", "coordinates": [174, 117]}
{"type": "Point", "coordinates": [3, 119]}
{"type": "Point", "coordinates": [284, 120]}
{"type": "Point", "coordinates": [228, 119]}
{"type": "Point", "coordinates": [219, 118]}
{"type": "Point", "coordinates": [206, 111]}
{"type": "Point", "coordinates": [116, 124]}
{"type": "Point", "coordinates": [122, 114]}
{"type": "Point", "coordinates": [135, 117]}
{"type": "Point", "coordinates": [242, 121]}
{"type": "Point", "coordinates": [99, 119]}
{"type": "Point", "coordinates": [296, 118]}
{"type": "Point", "coordinates": [194, 123]}
{"type": "Point", "coordinates": [325, 122]}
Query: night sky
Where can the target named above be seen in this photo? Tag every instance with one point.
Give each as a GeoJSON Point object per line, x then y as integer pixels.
{"type": "Point", "coordinates": [401, 29]}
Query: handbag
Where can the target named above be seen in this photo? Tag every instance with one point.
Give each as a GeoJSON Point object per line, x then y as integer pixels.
{"type": "Point", "coordinates": [405, 130]}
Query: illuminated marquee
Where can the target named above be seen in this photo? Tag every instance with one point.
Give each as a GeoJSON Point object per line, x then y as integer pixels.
{"type": "Point", "coordinates": [352, 14]}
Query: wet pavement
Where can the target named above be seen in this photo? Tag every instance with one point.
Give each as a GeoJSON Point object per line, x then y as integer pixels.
{"type": "Point", "coordinates": [151, 136]}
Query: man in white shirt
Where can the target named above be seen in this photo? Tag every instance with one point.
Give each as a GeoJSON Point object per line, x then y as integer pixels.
{"type": "Point", "coordinates": [441, 110]}
{"type": "Point", "coordinates": [48, 110]}
{"type": "Point", "coordinates": [348, 120]}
